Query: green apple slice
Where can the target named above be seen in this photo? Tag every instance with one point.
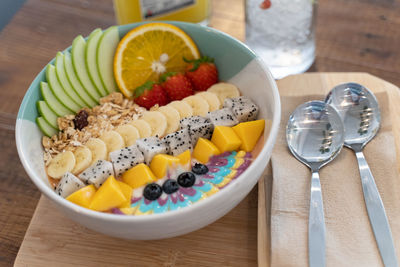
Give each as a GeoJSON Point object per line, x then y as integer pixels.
{"type": "Point", "coordinates": [105, 57]}
{"type": "Point", "coordinates": [47, 113]}
{"type": "Point", "coordinates": [91, 63]}
{"type": "Point", "coordinates": [52, 101]}
{"type": "Point", "coordinates": [58, 91]}
{"type": "Point", "coordinates": [45, 127]}
{"type": "Point", "coordinates": [73, 79]}
{"type": "Point", "coordinates": [62, 78]}
{"type": "Point", "coordinates": [78, 61]}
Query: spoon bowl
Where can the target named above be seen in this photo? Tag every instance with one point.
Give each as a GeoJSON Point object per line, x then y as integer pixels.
{"type": "Point", "coordinates": [315, 136]}
{"type": "Point", "coordinates": [359, 111]}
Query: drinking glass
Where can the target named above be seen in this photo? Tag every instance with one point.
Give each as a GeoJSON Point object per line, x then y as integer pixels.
{"type": "Point", "coordinates": [281, 32]}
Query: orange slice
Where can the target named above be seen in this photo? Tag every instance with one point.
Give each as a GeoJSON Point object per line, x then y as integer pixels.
{"type": "Point", "coordinates": [149, 50]}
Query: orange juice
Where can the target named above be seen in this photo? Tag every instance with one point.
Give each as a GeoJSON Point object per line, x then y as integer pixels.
{"type": "Point", "coordinates": [128, 11]}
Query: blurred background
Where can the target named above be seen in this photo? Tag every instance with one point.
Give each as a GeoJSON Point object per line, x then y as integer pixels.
{"type": "Point", "coordinates": [351, 35]}
{"type": "Point", "coordinates": [8, 9]}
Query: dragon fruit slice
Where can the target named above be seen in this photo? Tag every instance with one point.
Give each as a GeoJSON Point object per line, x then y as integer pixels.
{"type": "Point", "coordinates": [198, 127]}
{"type": "Point", "coordinates": [243, 108]}
{"type": "Point", "coordinates": [97, 173]}
{"type": "Point", "coordinates": [178, 141]}
{"type": "Point", "coordinates": [204, 130]}
{"type": "Point", "coordinates": [222, 117]}
{"type": "Point", "coordinates": [152, 146]}
{"type": "Point", "coordinates": [190, 121]}
{"type": "Point", "coordinates": [68, 184]}
{"type": "Point", "coordinates": [126, 158]}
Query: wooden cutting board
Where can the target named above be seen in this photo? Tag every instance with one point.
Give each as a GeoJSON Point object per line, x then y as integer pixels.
{"type": "Point", "coordinates": [318, 84]}
{"type": "Point", "coordinates": [54, 240]}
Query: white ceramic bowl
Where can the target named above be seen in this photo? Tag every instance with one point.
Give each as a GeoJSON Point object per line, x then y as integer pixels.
{"type": "Point", "coordinates": [237, 64]}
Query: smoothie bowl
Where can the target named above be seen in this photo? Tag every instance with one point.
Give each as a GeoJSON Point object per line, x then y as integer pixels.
{"type": "Point", "coordinates": [149, 130]}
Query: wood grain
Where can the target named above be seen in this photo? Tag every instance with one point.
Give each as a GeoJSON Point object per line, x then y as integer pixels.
{"type": "Point", "coordinates": [319, 84]}
{"type": "Point", "coordinates": [354, 35]}
{"type": "Point", "coordinates": [263, 217]}
{"type": "Point", "coordinates": [359, 35]}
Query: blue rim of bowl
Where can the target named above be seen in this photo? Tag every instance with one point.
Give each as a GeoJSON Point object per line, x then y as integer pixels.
{"type": "Point", "coordinates": [48, 192]}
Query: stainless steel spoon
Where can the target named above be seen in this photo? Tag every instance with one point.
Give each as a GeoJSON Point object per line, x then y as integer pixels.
{"type": "Point", "coordinates": [315, 136]}
{"type": "Point", "coordinates": [359, 110]}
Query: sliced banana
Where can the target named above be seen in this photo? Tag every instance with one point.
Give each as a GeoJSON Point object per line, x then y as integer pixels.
{"type": "Point", "coordinates": [129, 133]}
{"type": "Point", "coordinates": [199, 105]}
{"type": "Point", "coordinates": [98, 149]}
{"type": "Point", "coordinates": [113, 140]}
{"type": "Point", "coordinates": [60, 164]}
{"type": "Point", "coordinates": [184, 109]}
{"type": "Point", "coordinates": [224, 90]}
{"type": "Point", "coordinates": [212, 100]}
{"type": "Point", "coordinates": [83, 159]}
{"type": "Point", "coordinates": [157, 121]}
{"type": "Point", "coordinates": [143, 127]}
{"type": "Point", "coordinates": [173, 118]}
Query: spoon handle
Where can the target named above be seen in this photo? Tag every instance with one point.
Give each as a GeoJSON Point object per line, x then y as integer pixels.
{"type": "Point", "coordinates": [376, 213]}
{"type": "Point", "coordinates": [316, 224]}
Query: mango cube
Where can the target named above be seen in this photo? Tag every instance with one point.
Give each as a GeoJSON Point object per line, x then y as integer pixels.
{"type": "Point", "coordinates": [83, 196]}
{"type": "Point", "coordinates": [204, 149]}
{"type": "Point", "coordinates": [127, 191]}
{"type": "Point", "coordinates": [225, 139]}
{"type": "Point", "coordinates": [108, 196]}
{"type": "Point", "coordinates": [185, 159]}
{"type": "Point", "coordinates": [249, 132]}
{"type": "Point", "coordinates": [138, 176]}
{"type": "Point", "coordinates": [160, 164]}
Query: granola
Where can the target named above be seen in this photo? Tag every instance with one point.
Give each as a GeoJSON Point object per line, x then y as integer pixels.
{"type": "Point", "coordinates": [114, 110]}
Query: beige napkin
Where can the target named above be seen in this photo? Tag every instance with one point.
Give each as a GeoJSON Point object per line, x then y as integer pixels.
{"type": "Point", "coordinates": [349, 237]}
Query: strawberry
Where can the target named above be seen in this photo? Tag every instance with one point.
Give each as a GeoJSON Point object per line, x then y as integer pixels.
{"type": "Point", "coordinates": [177, 85]}
{"type": "Point", "coordinates": [265, 4]}
{"type": "Point", "coordinates": [149, 94]}
{"type": "Point", "coordinates": [202, 73]}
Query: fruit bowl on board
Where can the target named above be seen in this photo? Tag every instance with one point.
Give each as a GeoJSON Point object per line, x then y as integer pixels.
{"type": "Point", "coordinates": [237, 64]}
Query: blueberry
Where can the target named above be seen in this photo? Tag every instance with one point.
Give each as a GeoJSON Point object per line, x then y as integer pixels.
{"type": "Point", "coordinates": [152, 191]}
{"type": "Point", "coordinates": [199, 168]}
{"type": "Point", "coordinates": [186, 179]}
{"type": "Point", "coordinates": [170, 186]}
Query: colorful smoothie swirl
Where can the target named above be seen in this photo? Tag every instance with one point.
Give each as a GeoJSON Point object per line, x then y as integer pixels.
{"type": "Point", "coordinates": [179, 193]}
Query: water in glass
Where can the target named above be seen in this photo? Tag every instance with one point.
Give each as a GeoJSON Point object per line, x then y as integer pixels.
{"type": "Point", "coordinates": [281, 32]}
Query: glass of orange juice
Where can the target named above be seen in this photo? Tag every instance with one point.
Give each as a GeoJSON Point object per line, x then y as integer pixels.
{"type": "Point", "coordinates": [128, 11]}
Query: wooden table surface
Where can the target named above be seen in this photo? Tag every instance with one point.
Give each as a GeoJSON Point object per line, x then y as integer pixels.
{"type": "Point", "coordinates": [352, 35]}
